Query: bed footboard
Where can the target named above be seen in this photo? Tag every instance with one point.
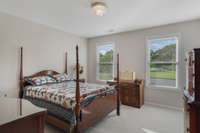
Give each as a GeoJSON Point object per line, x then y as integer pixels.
{"type": "Point", "coordinates": [97, 110]}
{"type": "Point", "coordinates": [93, 113]}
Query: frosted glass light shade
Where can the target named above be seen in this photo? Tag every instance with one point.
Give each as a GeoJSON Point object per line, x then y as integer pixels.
{"type": "Point", "coordinates": [99, 8]}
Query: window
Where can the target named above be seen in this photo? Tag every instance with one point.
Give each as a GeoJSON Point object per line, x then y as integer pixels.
{"type": "Point", "coordinates": [162, 62]}
{"type": "Point", "coordinates": [105, 62]}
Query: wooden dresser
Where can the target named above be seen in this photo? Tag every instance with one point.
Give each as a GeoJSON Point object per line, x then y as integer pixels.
{"type": "Point", "coordinates": [20, 116]}
{"type": "Point", "coordinates": [132, 93]}
{"type": "Point", "coordinates": [192, 102]}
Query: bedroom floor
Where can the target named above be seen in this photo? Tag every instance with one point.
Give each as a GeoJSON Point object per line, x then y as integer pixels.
{"type": "Point", "coordinates": [148, 119]}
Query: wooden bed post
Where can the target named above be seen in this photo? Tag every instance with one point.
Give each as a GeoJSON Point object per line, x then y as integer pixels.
{"type": "Point", "coordinates": [21, 74]}
{"type": "Point", "coordinates": [77, 107]}
{"type": "Point", "coordinates": [118, 88]}
{"type": "Point", "coordinates": [66, 62]}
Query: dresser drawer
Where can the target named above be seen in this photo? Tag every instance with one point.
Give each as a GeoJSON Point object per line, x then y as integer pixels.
{"type": "Point", "coordinates": [127, 100]}
{"type": "Point", "coordinates": [125, 92]}
{"type": "Point", "coordinates": [126, 85]}
{"type": "Point", "coordinates": [129, 91]}
{"type": "Point", "coordinates": [133, 101]}
{"type": "Point", "coordinates": [134, 92]}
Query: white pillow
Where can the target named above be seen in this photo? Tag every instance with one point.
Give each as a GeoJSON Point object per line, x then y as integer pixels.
{"type": "Point", "coordinates": [61, 77]}
{"type": "Point", "coordinates": [41, 80]}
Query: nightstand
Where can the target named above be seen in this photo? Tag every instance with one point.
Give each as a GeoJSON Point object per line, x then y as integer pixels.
{"type": "Point", "coordinates": [131, 92]}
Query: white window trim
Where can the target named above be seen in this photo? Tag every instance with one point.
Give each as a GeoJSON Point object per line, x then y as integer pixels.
{"type": "Point", "coordinates": [97, 61]}
{"type": "Point", "coordinates": [148, 85]}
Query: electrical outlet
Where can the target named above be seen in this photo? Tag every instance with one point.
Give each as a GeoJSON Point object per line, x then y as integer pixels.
{"type": "Point", "coordinates": [3, 94]}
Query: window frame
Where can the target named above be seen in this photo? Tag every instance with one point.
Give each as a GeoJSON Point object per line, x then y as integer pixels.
{"type": "Point", "coordinates": [97, 61]}
{"type": "Point", "coordinates": [148, 61]}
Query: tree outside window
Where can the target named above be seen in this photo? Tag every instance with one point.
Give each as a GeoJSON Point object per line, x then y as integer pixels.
{"type": "Point", "coordinates": [105, 62]}
{"type": "Point", "coordinates": [162, 62]}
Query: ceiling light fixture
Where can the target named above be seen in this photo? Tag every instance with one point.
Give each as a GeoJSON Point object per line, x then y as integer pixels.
{"type": "Point", "coordinates": [99, 8]}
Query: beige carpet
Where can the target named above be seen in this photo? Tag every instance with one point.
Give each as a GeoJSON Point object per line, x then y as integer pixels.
{"type": "Point", "coordinates": [148, 119]}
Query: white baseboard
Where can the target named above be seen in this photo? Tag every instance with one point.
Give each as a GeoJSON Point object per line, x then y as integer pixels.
{"type": "Point", "coordinates": [164, 106]}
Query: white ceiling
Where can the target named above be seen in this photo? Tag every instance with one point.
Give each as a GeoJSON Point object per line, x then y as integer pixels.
{"type": "Point", "coordinates": [76, 16]}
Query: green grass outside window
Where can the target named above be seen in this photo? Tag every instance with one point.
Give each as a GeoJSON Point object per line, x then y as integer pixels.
{"type": "Point", "coordinates": [170, 75]}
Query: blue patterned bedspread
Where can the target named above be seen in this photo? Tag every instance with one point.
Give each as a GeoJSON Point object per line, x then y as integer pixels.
{"type": "Point", "coordinates": [59, 99]}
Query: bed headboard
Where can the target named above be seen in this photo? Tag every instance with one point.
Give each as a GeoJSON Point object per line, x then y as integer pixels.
{"type": "Point", "coordinates": [43, 73]}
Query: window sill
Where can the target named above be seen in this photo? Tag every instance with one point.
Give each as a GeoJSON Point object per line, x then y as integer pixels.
{"type": "Point", "coordinates": [164, 88]}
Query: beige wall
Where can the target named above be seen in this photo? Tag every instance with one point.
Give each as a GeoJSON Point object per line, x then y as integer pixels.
{"type": "Point", "coordinates": [132, 49]}
{"type": "Point", "coordinates": [44, 48]}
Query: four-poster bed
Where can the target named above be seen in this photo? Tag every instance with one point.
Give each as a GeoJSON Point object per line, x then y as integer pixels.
{"type": "Point", "coordinates": [90, 104]}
